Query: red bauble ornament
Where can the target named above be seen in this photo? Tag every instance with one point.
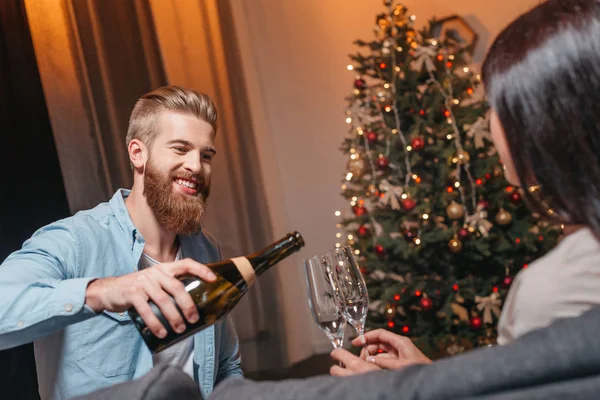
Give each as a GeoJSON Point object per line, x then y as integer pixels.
{"type": "Point", "coordinates": [371, 137]}
{"type": "Point", "coordinates": [379, 250]}
{"type": "Point", "coordinates": [408, 204]}
{"type": "Point", "coordinates": [360, 84]}
{"type": "Point", "coordinates": [483, 204]}
{"type": "Point", "coordinates": [476, 323]}
{"type": "Point", "coordinates": [426, 303]}
{"type": "Point", "coordinates": [359, 211]}
{"type": "Point", "coordinates": [507, 281]}
{"type": "Point", "coordinates": [363, 231]}
{"type": "Point", "coordinates": [463, 233]}
{"type": "Point", "coordinates": [418, 143]}
{"type": "Point", "coordinates": [515, 197]}
{"type": "Point", "coordinates": [383, 162]}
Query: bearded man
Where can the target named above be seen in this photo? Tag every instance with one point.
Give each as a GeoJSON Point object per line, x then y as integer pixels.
{"type": "Point", "coordinates": [69, 287]}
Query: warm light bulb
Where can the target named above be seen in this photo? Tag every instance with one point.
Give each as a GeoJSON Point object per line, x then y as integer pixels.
{"type": "Point", "coordinates": [397, 69]}
{"type": "Point", "coordinates": [344, 186]}
{"type": "Point", "coordinates": [451, 57]}
{"type": "Point", "coordinates": [350, 67]}
{"type": "Point", "coordinates": [352, 203]}
{"type": "Point", "coordinates": [413, 17]}
{"type": "Point", "coordinates": [450, 121]}
{"type": "Point", "coordinates": [350, 237]}
{"type": "Point", "coordinates": [417, 241]}
{"type": "Point", "coordinates": [456, 184]}
{"type": "Point", "coordinates": [349, 176]}
{"type": "Point", "coordinates": [348, 120]}
{"type": "Point", "coordinates": [466, 69]}
{"type": "Point", "coordinates": [337, 245]}
{"type": "Point", "coordinates": [425, 216]}
{"type": "Point", "coordinates": [399, 49]}
{"type": "Point", "coordinates": [388, 108]}
{"type": "Point", "coordinates": [386, 85]}
{"type": "Point", "coordinates": [394, 131]}
{"type": "Point", "coordinates": [414, 176]}
{"type": "Point", "coordinates": [449, 136]}
{"type": "Point", "coordinates": [354, 198]}
{"type": "Point", "coordinates": [357, 252]}
{"type": "Point", "coordinates": [408, 148]}
{"type": "Point", "coordinates": [337, 213]}
{"type": "Point", "coordinates": [456, 101]}
{"type": "Point", "coordinates": [338, 235]}
{"type": "Point", "coordinates": [404, 196]}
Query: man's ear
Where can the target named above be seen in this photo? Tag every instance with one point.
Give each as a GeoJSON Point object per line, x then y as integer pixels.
{"type": "Point", "coordinates": [138, 154]}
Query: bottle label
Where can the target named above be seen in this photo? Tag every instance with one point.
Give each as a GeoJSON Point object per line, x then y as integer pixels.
{"type": "Point", "coordinates": [246, 270]}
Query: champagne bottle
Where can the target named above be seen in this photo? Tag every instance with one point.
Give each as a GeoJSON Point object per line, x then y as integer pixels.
{"type": "Point", "coordinates": [214, 300]}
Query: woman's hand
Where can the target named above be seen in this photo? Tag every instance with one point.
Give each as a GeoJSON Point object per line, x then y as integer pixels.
{"type": "Point", "coordinates": [397, 352]}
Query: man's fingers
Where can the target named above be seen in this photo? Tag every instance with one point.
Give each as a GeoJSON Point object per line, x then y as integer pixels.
{"type": "Point", "coordinates": [151, 321]}
{"type": "Point", "coordinates": [183, 299]}
{"type": "Point", "coordinates": [189, 266]}
{"type": "Point", "coordinates": [166, 305]}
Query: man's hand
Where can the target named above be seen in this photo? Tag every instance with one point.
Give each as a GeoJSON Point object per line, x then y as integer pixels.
{"type": "Point", "coordinates": [156, 283]}
{"type": "Point", "coordinates": [397, 352]}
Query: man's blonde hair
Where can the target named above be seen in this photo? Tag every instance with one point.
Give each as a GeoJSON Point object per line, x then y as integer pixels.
{"type": "Point", "coordinates": [144, 117]}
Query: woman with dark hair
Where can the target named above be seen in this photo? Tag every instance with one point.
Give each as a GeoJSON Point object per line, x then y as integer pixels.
{"type": "Point", "coordinates": [542, 79]}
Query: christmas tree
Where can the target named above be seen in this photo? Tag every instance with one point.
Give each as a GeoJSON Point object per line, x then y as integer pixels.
{"type": "Point", "coordinates": [438, 231]}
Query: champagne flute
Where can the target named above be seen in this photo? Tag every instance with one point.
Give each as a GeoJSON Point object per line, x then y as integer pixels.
{"type": "Point", "coordinates": [322, 300]}
{"type": "Point", "coordinates": [350, 287]}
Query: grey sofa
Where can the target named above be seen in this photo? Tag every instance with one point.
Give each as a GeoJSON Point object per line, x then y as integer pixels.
{"type": "Point", "coordinates": [558, 362]}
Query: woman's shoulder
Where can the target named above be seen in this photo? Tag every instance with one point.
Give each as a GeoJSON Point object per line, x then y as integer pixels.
{"type": "Point", "coordinates": [564, 283]}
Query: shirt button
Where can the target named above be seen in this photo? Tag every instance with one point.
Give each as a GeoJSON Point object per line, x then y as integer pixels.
{"type": "Point", "coordinates": [68, 307]}
{"type": "Point", "coordinates": [121, 314]}
{"type": "Point", "coordinates": [20, 324]}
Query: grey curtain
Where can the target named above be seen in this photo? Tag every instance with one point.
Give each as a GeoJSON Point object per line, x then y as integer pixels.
{"type": "Point", "coordinates": [96, 58]}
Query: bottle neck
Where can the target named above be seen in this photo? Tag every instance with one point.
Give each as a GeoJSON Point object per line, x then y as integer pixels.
{"type": "Point", "coordinates": [271, 255]}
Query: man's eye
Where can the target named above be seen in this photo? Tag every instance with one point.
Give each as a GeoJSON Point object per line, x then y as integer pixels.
{"type": "Point", "coordinates": [207, 157]}
{"type": "Point", "coordinates": [179, 149]}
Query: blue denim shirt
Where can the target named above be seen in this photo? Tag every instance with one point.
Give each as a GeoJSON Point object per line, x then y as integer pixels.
{"type": "Point", "coordinates": [42, 299]}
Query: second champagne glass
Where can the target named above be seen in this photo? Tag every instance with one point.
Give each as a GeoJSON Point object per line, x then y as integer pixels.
{"type": "Point", "coordinates": [350, 288]}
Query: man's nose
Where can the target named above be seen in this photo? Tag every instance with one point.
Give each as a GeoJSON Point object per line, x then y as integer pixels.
{"type": "Point", "coordinates": [193, 163]}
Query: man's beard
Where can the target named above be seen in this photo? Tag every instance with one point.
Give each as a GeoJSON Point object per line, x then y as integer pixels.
{"type": "Point", "coordinates": [175, 211]}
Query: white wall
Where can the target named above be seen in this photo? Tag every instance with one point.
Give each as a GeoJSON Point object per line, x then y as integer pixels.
{"type": "Point", "coordinates": [294, 59]}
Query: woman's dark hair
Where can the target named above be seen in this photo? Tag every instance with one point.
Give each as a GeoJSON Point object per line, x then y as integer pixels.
{"type": "Point", "coordinates": [542, 78]}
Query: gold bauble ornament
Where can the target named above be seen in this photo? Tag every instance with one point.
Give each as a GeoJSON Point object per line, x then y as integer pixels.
{"type": "Point", "coordinates": [399, 15]}
{"type": "Point", "coordinates": [463, 157]}
{"type": "Point", "coordinates": [455, 211]}
{"type": "Point", "coordinates": [497, 171]}
{"type": "Point", "coordinates": [383, 23]}
{"type": "Point", "coordinates": [455, 245]}
{"type": "Point", "coordinates": [357, 167]}
{"type": "Point", "coordinates": [503, 217]}
{"type": "Point", "coordinates": [371, 189]}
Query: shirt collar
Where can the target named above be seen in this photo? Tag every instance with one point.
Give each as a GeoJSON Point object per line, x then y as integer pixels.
{"type": "Point", "coordinates": [117, 204]}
